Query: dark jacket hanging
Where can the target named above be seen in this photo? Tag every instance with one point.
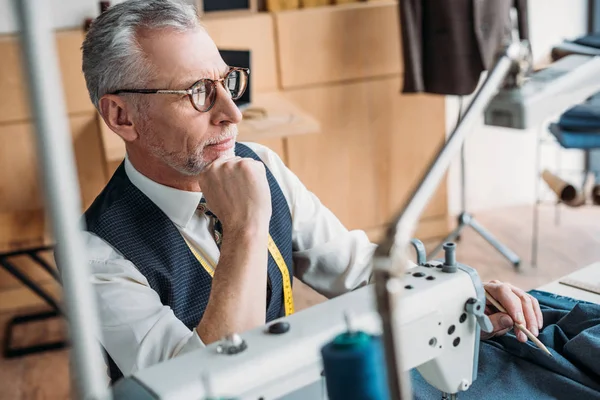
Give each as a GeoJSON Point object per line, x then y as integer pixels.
{"type": "Point", "coordinates": [446, 44]}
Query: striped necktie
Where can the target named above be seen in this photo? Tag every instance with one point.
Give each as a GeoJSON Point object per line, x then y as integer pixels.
{"type": "Point", "coordinates": [217, 228]}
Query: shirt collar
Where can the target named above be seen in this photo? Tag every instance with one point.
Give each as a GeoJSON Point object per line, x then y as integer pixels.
{"type": "Point", "coordinates": [178, 205]}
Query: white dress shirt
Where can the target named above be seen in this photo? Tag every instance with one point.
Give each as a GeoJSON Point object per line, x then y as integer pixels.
{"type": "Point", "coordinates": [139, 331]}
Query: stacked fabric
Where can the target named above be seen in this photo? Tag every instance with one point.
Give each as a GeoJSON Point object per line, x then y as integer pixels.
{"type": "Point", "coordinates": [579, 126]}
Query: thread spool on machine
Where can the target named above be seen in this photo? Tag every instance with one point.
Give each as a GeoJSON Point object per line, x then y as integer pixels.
{"type": "Point", "coordinates": [354, 366]}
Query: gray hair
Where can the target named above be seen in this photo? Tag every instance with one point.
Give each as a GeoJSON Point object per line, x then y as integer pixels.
{"type": "Point", "coordinates": [112, 57]}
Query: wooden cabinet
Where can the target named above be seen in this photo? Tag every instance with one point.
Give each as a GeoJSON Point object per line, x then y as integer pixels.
{"type": "Point", "coordinates": [342, 65]}
{"type": "Point", "coordinates": [20, 186]}
{"type": "Point", "coordinates": [338, 164]}
{"type": "Point", "coordinates": [254, 32]}
{"type": "Point", "coordinates": [14, 103]}
{"type": "Point", "coordinates": [338, 43]}
{"type": "Point", "coordinates": [408, 130]}
{"type": "Point", "coordinates": [373, 147]}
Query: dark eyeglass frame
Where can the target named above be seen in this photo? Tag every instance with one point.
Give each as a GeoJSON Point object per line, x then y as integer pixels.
{"type": "Point", "coordinates": [190, 91]}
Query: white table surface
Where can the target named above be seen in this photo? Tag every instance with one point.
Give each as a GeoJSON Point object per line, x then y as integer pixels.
{"type": "Point", "coordinates": [589, 274]}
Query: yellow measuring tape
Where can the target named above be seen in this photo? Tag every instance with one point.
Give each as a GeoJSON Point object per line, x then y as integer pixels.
{"type": "Point", "coordinates": [209, 268]}
{"type": "Point", "coordinates": [288, 299]}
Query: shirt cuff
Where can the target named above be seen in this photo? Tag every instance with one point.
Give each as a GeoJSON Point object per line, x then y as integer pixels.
{"type": "Point", "coordinates": [193, 343]}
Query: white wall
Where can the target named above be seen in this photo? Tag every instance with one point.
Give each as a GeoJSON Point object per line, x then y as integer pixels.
{"type": "Point", "coordinates": [65, 13]}
{"type": "Point", "coordinates": [511, 153]}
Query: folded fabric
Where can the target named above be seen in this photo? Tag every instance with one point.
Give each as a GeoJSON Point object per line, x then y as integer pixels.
{"type": "Point", "coordinates": [582, 117]}
{"type": "Point", "coordinates": [509, 368]}
{"type": "Point", "coordinates": [575, 139]}
{"type": "Point", "coordinates": [589, 40]}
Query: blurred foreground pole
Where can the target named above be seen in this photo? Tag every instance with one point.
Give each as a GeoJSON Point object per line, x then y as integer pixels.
{"type": "Point", "coordinates": [57, 172]}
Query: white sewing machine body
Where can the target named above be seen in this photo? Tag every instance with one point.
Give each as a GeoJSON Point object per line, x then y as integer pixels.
{"type": "Point", "coordinates": [441, 340]}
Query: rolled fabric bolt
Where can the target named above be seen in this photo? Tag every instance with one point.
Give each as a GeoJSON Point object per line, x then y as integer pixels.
{"type": "Point", "coordinates": [566, 192]}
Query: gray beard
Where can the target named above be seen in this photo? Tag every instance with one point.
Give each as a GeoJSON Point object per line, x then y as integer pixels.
{"type": "Point", "coordinates": [191, 164]}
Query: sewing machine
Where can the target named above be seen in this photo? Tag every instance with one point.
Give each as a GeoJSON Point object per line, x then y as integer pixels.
{"type": "Point", "coordinates": [439, 318]}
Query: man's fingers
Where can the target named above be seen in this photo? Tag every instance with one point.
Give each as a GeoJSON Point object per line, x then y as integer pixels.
{"type": "Point", "coordinates": [222, 160]}
{"type": "Point", "coordinates": [528, 310]}
{"type": "Point", "coordinates": [500, 322]}
{"type": "Point", "coordinates": [509, 300]}
{"type": "Point", "coordinates": [521, 337]}
{"type": "Point", "coordinates": [538, 312]}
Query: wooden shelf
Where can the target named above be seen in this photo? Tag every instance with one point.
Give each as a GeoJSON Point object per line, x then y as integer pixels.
{"type": "Point", "coordinates": [282, 119]}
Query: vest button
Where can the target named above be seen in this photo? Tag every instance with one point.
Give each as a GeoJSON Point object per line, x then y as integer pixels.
{"type": "Point", "coordinates": [279, 328]}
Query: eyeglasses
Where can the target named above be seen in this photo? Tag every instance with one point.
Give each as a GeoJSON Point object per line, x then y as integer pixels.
{"type": "Point", "coordinates": [203, 93]}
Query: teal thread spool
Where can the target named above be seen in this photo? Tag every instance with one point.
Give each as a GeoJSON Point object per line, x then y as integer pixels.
{"type": "Point", "coordinates": [355, 367]}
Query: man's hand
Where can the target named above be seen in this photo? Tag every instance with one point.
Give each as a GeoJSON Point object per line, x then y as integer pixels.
{"type": "Point", "coordinates": [237, 192]}
{"type": "Point", "coordinates": [521, 307]}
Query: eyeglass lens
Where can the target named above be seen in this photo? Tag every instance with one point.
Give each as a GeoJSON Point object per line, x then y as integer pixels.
{"type": "Point", "coordinates": [204, 92]}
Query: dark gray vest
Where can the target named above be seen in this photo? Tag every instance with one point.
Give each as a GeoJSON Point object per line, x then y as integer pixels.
{"type": "Point", "coordinates": [125, 218]}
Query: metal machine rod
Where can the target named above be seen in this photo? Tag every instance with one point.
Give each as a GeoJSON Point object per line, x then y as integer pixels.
{"type": "Point", "coordinates": [387, 276]}
{"type": "Point", "coordinates": [57, 167]}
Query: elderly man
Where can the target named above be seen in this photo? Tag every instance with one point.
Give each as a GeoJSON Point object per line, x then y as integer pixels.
{"type": "Point", "coordinates": [196, 236]}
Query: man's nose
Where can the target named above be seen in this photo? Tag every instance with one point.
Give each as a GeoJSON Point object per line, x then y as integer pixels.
{"type": "Point", "coordinates": [225, 111]}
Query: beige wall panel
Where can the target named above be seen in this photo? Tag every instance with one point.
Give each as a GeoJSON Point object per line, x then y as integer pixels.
{"type": "Point", "coordinates": [111, 167]}
{"type": "Point", "coordinates": [407, 130]}
{"type": "Point", "coordinates": [254, 32]}
{"type": "Point", "coordinates": [19, 185]}
{"type": "Point", "coordinates": [337, 164]}
{"type": "Point", "coordinates": [22, 229]}
{"type": "Point", "coordinates": [89, 155]}
{"type": "Point", "coordinates": [21, 194]}
{"type": "Point", "coordinates": [275, 144]}
{"type": "Point", "coordinates": [14, 100]}
{"type": "Point", "coordinates": [13, 103]}
{"type": "Point", "coordinates": [69, 53]}
{"type": "Point", "coordinates": [332, 44]}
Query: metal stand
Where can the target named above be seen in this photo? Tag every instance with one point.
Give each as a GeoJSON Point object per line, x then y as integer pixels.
{"type": "Point", "coordinates": [544, 138]}
{"type": "Point", "coordinates": [55, 312]}
{"type": "Point", "coordinates": [465, 219]}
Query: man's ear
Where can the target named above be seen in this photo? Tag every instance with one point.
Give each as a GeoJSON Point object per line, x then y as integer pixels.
{"type": "Point", "coordinates": [117, 114]}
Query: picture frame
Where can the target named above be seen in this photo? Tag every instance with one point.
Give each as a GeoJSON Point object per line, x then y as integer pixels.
{"type": "Point", "coordinates": [218, 7]}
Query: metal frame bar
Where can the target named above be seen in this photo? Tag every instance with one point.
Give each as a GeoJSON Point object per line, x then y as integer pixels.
{"type": "Point", "coordinates": [56, 310]}
{"type": "Point", "coordinates": [13, 352]}
{"type": "Point", "coordinates": [57, 165]}
{"type": "Point", "coordinates": [25, 280]}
